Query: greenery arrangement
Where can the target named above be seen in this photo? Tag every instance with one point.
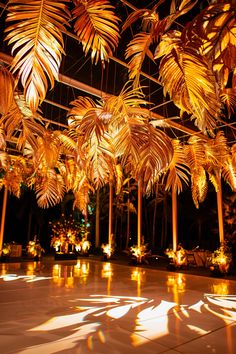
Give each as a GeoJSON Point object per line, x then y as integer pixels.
{"type": "Point", "coordinates": [221, 259]}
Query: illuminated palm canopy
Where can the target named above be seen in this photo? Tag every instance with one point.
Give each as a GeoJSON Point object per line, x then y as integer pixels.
{"type": "Point", "coordinates": [166, 87]}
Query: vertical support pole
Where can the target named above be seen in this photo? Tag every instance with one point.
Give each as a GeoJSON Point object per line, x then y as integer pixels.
{"type": "Point", "coordinates": [110, 213]}
{"type": "Point", "coordinates": [128, 219]}
{"type": "Point", "coordinates": [97, 230]}
{"type": "Point", "coordinates": [220, 211]}
{"type": "Point", "coordinates": [139, 213]}
{"type": "Point", "coordinates": [4, 206]}
{"type": "Point", "coordinates": [174, 219]}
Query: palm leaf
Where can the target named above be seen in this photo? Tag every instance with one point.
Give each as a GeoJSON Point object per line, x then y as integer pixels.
{"type": "Point", "coordinates": [229, 174]}
{"type": "Point", "coordinates": [81, 105]}
{"type": "Point", "coordinates": [20, 121]}
{"type": "Point", "coordinates": [137, 50]}
{"type": "Point", "coordinates": [199, 185]}
{"type": "Point", "coordinates": [15, 175]}
{"type": "Point", "coordinates": [6, 90]}
{"type": "Point", "coordinates": [37, 40]}
{"type": "Point", "coordinates": [82, 197]}
{"type": "Point", "coordinates": [233, 152]}
{"type": "Point", "coordinates": [177, 170]}
{"type": "Point", "coordinates": [96, 26]}
{"type": "Point", "coordinates": [2, 138]}
{"type": "Point", "coordinates": [188, 79]}
{"type": "Point", "coordinates": [48, 153]}
{"type": "Point", "coordinates": [67, 144]}
{"type": "Point", "coordinates": [217, 151]}
{"type": "Point", "coordinates": [195, 155]}
{"type": "Point", "coordinates": [69, 171]}
{"type": "Point", "coordinates": [128, 102]}
{"type": "Point", "coordinates": [228, 97]}
{"type": "Point", "coordinates": [4, 160]}
{"type": "Point", "coordinates": [216, 29]}
{"type": "Point", "coordinates": [155, 155]}
{"type": "Point", "coordinates": [49, 189]}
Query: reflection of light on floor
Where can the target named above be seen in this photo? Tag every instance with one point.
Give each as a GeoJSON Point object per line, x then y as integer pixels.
{"type": "Point", "coordinates": [9, 267]}
{"type": "Point", "coordinates": [152, 323]}
{"type": "Point", "coordinates": [31, 267]}
{"type": "Point", "coordinates": [220, 289]}
{"type": "Point", "coordinates": [26, 278]}
{"type": "Point", "coordinates": [107, 274]}
{"type": "Point", "coordinates": [106, 270]}
{"type": "Point", "coordinates": [176, 283]}
{"type": "Point", "coordinates": [138, 275]}
{"type": "Point", "coordinates": [226, 303]}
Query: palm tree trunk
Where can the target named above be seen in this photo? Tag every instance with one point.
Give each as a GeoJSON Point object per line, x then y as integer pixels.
{"type": "Point", "coordinates": [4, 207]}
{"type": "Point", "coordinates": [174, 219]}
{"type": "Point", "coordinates": [110, 214]}
{"type": "Point", "coordinates": [154, 220]}
{"type": "Point", "coordinates": [128, 221]}
{"type": "Point", "coordinates": [220, 211]}
{"type": "Point", "coordinates": [128, 225]}
{"type": "Point", "coordinates": [97, 229]}
{"type": "Point", "coordinates": [139, 213]}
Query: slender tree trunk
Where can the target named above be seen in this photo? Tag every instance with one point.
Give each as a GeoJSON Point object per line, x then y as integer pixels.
{"type": "Point", "coordinates": [110, 214]}
{"type": "Point", "coordinates": [139, 214]}
{"type": "Point", "coordinates": [97, 230]}
{"type": "Point", "coordinates": [4, 207]}
{"type": "Point", "coordinates": [220, 211]}
{"type": "Point", "coordinates": [128, 221]}
{"type": "Point", "coordinates": [174, 219]}
{"type": "Point", "coordinates": [154, 220]}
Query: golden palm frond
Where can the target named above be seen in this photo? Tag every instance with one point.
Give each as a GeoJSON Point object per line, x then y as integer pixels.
{"type": "Point", "coordinates": [199, 185]}
{"type": "Point", "coordinates": [188, 79]}
{"type": "Point", "coordinates": [155, 154]}
{"type": "Point", "coordinates": [19, 121]}
{"type": "Point", "coordinates": [177, 171]}
{"type": "Point", "coordinates": [49, 189]}
{"type": "Point", "coordinates": [217, 151]}
{"type": "Point", "coordinates": [151, 29]}
{"type": "Point", "coordinates": [96, 26]}
{"type": "Point", "coordinates": [100, 163]}
{"type": "Point", "coordinates": [128, 140]}
{"type": "Point", "coordinates": [82, 198]}
{"type": "Point", "coordinates": [6, 90]}
{"type": "Point", "coordinates": [195, 155]}
{"type": "Point", "coordinates": [81, 105]}
{"type": "Point", "coordinates": [67, 144]}
{"type": "Point", "coordinates": [229, 174]}
{"type": "Point", "coordinates": [47, 154]}
{"type": "Point", "coordinates": [119, 178]}
{"type": "Point", "coordinates": [137, 50]}
{"type": "Point", "coordinates": [2, 138]}
{"type": "Point", "coordinates": [15, 175]}
{"type": "Point", "coordinates": [93, 139]}
{"type": "Point", "coordinates": [128, 102]}
{"type": "Point", "coordinates": [228, 97]}
{"type": "Point", "coordinates": [214, 178]}
{"type": "Point", "coordinates": [37, 40]}
{"type": "Point", "coordinates": [4, 160]}
{"type": "Point", "coordinates": [216, 26]}
{"type": "Point", "coordinates": [71, 173]}
{"type": "Point", "coordinates": [233, 152]}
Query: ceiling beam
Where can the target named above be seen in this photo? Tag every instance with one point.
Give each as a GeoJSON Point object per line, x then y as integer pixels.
{"type": "Point", "coordinates": [98, 93]}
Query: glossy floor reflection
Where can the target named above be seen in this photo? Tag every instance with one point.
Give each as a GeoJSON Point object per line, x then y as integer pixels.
{"type": "Point", "coordinates": [87, 306]}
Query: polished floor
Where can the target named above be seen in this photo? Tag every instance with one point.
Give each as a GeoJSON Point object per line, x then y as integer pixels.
{"type": "Point", "coordinates": [88, 306]}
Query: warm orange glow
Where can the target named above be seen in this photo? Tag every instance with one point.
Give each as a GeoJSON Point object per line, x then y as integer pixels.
{"type": "Point", "coordinates": [107, 249]}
